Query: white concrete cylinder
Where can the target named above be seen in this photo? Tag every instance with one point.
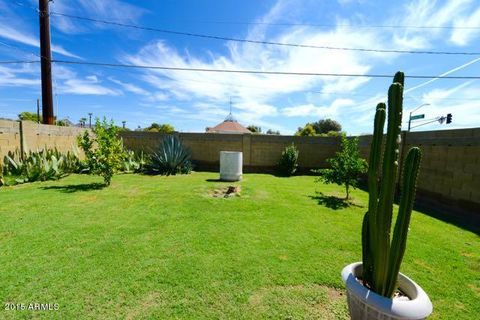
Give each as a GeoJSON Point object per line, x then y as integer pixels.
{"type": "Point", "coordinates": [231, 165]}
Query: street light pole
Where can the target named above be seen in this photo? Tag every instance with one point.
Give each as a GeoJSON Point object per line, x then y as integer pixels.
{"type": "Point", "coordinates": [410, 116]}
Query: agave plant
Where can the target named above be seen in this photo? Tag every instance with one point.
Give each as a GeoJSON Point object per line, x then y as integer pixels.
{"type": "Point", "coordinates": [47, 164]}
{"type": "Point", "coordinates": [133, 162]}
{"type": "Point", "coordinates": [382, 254]}
{"type": "Point", "coordinates": [172, 157]}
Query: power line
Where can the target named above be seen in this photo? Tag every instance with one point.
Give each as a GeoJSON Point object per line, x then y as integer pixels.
{"type": "Point", "coordinates": [322, 92]}
{"type": "Point", "coordinates": [291, 24]}
{"type": "Point", "coordinates": [19, 61]}
{"type": "Point", "coordinates": [305, 24]}
{"type": "Point", "coordinates": [118, 65]}
{"type": "Point", "coordinates": [11, 46]}
{"type": "Point", "coordinates": [297, 45]}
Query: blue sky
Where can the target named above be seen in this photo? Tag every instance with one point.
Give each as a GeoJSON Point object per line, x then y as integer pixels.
{"type": "Point", "coordinates": [192, 101]}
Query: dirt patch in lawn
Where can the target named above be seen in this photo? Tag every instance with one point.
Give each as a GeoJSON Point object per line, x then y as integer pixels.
{"type": "Point", "coordinates": [150, 300]}
{"type": "Point", "coordinates": [299, 302]}
{"type": "Point", "coordinates": [226, 192]}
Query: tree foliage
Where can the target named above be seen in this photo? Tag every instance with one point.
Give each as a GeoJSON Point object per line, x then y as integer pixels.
{"type": "Point", "coordinates": [161, 128]}
{"type": "Point", "coordinates": [307, 131]}
{"type": "Point", "coordinates": [346, 167]}
{"type": "Point", "coordinates": [104, 151]}
{"type": "Point", "coordinates": [254, 129]}
{"type": "Point", "coordinates": [29, 116]}
{"type": "Point", "coordinates": [324, 127]}
{"type": "Point", "coordinates": [273, 132]}
{"type": "Point", "coordinates": [288, 163]}
{"type": "Point", "coordinates": [32, 116]}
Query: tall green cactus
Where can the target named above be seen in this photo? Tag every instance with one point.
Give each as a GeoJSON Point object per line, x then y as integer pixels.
{"type": "Point", "coordinates": [382, 255]}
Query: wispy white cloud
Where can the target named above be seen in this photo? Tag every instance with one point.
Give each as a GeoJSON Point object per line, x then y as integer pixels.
{"type": "Point", "coordinates": [438, 15]}
{"type": "Point", "coordinates": [14, 34]}
{"type": "Point", "coordinates": [463, 36]}
{"type": "Point", "coordinates": [446, 73]}
{"type": "Point", "coordinates": [256, 95]}
{"type": "Point", "coordinates": [310, 110]}
{"type": "Point", "coordinates": [23, 75]}
{"type": "Point", "coordinates": [130, 87]}
{"type": "Point", "coordinates": [112, 10]}
{"type": "Point", "coordinates": [465, 110]}
{"type": "Point", "coordinates": [89, 85]}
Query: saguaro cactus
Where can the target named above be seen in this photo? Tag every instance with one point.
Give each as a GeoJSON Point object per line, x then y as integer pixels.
{"type": "Point", "coordinates": [383, 254]}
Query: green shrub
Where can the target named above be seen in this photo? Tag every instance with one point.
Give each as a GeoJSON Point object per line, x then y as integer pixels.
{"type": "Point", "coordinates": [288, 163]}
{"type": "Point", "coordinates": [346, 166]}
{"type": "Point", "coordinates": [171, 158]}
{"type": "Point", "coordinates": [104, 151]}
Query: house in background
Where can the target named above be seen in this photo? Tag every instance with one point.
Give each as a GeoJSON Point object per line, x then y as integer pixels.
{"type": "Point", "coordinates": [229, 125]}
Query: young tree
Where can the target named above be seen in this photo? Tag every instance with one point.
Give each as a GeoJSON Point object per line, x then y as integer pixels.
{"type": "Point", "coordinates": [288, 163]}
{"type": "Point", "coordinates": [307, 131]}
{"type": "Point", "coordinates": [326, 125]}
{"type": "Point", "coordinates": [104, 151]}
{"type": "Point", "coordinates": [273, 132]}
{"type": "Point", "coordinates": [82, 122]}
{"type": "Point", "coordinates": [346, 166]}
{"type": "Point", "coordinates": [162, 128]}
{"type": "Point", "coordinates": [324, 128]}
{"type": "Point", "coordinates": [30, 116]}
{"type": "Point", "coordinates": [254, 129]}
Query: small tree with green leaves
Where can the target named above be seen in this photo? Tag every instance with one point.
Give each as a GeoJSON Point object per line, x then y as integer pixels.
{"type": "Point", "coordinates": [254, 129]}
{"type": "Point", "coordinates": [288, 163]}
{"type": "Point", "coordinates": [346, 167]}
{"type": "Point", "coordinates": [307, 131]}
{"type": "Point", "coordinates": [104, 151]}
{"type": "Point", "coordinates": [30, 116]}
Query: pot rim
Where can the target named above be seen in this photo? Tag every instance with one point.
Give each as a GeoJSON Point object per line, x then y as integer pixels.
{"type": "Point", "coordinates": [418, 307]}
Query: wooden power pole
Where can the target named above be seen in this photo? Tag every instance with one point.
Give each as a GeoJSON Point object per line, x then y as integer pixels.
{"type": "Point", "coordinates": [46, 63]}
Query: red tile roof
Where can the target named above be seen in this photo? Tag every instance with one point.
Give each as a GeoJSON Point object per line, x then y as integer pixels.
{"type": "Point", "coordinates": [228, 127]}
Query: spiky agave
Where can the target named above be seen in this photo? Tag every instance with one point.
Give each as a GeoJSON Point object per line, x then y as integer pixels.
{"type": "Point", "coordinates": [171, 158]}
{"type": "Point", "coordinates": [383, 254]}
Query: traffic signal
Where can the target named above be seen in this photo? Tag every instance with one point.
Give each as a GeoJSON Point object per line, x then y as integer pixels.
{"type": "Point", "coordinates": [449, 118]}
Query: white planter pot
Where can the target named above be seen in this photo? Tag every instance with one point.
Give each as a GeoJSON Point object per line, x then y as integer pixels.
{"type": "Point", "coordinates": [231, 164]}
{"type": "Point", "coordinates": [365, 304]}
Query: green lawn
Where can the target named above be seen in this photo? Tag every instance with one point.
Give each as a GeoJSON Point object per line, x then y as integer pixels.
{"type": "Point", "coordinates": [163, 247]}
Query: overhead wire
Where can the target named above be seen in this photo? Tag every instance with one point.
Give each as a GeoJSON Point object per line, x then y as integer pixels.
{"type": "Point", "coordinates": [289, 73]}
{"type": "Point", "coordinates": [298, 45]}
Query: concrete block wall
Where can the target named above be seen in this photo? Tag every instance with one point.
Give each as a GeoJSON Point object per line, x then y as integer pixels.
{"type": "Point", "coordinates": [260, 152]}
{"type": "Point", "coordinates": [31, 136]}
{"type": "Point", "coordinates": [38, 136]}
{"type": "Point", "coordinates": [10, 138]}
{"type": "Point", "coordinates": [450, 170]}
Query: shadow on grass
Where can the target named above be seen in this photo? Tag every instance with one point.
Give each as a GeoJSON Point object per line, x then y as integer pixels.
{"type": "Point", "coordinates": [214, 180]}
{"type": "Point", "coordinates": [449, 213]}
{"type": "Point", "coordinates": [333, 202]}
{"type": "Point", "coordinates": [71, 188]}
{"type": "Point", "coordinates": [466, 220]}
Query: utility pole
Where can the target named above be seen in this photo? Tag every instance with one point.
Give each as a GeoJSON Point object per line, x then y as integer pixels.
{"type": "Point", "coordinates": [46, 63]}
{"type": "Point", "coordinates": [90, 120]}
{"type": "Point", "coordinates": [38, 110]}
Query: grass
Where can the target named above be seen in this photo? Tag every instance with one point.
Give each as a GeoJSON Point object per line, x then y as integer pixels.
{"type": "Point", "coordinates": [162, 247]}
